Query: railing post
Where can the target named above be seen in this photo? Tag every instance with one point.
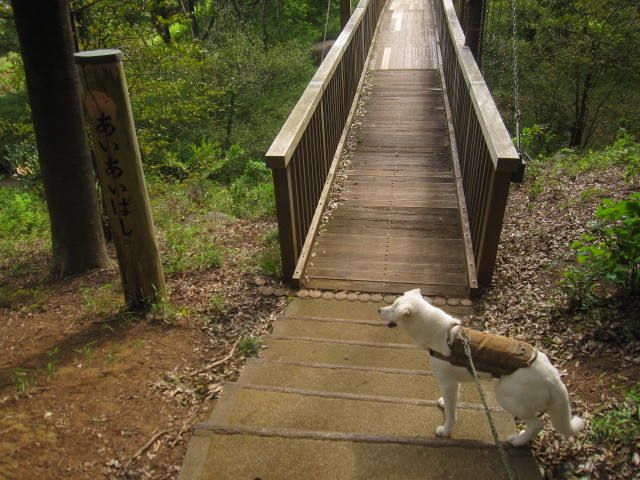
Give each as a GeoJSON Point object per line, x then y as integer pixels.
{"type": "Point", "coordinates": [286, 221]}
{"type": "Point", "coordinates": [491, 227]}
{"type": "Point", "coordinates": [119, 167]}
{"type": "Point", "coordinates": [345, 12]}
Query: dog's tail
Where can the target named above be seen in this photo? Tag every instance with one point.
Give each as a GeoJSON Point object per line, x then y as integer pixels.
{"type": "Point", "coordinates": [560, 411]}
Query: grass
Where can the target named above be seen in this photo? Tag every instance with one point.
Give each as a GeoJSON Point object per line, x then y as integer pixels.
{"type": "Point", "coordinates": [24, 378]}
{"type": "Point", "coordinates": [624, 151]}
{"type": "Point", "coordinates": [87, 351]}
{"type": "Point", "coordinates": [101, 300]}
{"type": "Point", "coordinates": [250, 345]}
{"type": "Point", "coordinates": [269, 261]}
{"type": "Point", "coordinates": [32, 297]}
{"type": "Point", "coordinates": [52, 360]}
{"type": "Point", "coordinates": [112, 355]}
{"type": "Point", "coordinates": [621, 423]}
{"type": "Point", "coordinates": [24, 226]}
{"type": "Point", "coordinates": [163, 310]}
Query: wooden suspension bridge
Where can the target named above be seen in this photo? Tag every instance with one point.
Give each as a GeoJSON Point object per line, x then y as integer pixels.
{"type": "Point", "coordinates": [335, 394]}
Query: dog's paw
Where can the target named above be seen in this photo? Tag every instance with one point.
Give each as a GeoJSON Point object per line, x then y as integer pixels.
{"type": "Point", "coordinates": [443, 432]}
{"type": "Point", "coordinates": [441, 403]}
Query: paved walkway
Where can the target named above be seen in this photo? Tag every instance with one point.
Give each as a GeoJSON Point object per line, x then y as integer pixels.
{"type": "Point", "coordinates": [338, 395]}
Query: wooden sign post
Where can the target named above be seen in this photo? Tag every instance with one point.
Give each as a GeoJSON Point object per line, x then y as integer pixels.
{"type": "Point", "coordinates": [108, 112]}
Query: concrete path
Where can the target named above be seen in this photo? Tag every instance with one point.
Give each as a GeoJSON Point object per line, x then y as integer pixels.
{"type": "Point", "coordinates": [338, 395]}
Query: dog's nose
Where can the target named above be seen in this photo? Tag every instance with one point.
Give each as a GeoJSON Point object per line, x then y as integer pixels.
{"type": "Point", "coordinates": [392, 324]}
{"type": "Point", "coordinates": [380, 310]}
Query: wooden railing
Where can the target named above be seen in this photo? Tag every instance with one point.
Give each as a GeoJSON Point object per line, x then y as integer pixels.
{"type": "Point", "coordinates": [486, 154]}
{"type": "Point", "coordinates": [304, 153]}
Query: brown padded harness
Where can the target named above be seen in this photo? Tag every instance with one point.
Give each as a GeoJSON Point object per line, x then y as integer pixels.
{"type": "Point", "coordinates": [492, 354]}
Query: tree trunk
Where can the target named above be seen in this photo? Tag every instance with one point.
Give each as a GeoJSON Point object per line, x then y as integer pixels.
{"type": "Point", "coordinates": [159, 16]}
{"type": "Point", "coordinates": [580, 119]}
{"type": "Point", "coordinates": [69, 182]}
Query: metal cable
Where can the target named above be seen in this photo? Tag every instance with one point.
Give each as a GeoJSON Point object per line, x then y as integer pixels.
{"type": "Point", "coordinates": [326, 24]}
{"type": "Point", "coordinates": [481, 36]}
{"type": "Point", "coordinates": [516, 84]}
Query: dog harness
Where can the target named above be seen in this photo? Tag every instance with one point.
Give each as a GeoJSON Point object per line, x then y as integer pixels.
{"type": "Point", "coordinates": [492, 354]}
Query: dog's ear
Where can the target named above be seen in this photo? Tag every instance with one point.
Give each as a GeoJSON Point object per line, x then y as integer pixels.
{"type": "Point", "coordinates": [414, 292]}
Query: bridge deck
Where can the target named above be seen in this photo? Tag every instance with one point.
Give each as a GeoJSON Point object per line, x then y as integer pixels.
{"type": "Point", "coordinates": [398, 224]}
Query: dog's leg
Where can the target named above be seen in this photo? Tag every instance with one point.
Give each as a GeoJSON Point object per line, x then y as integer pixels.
{"type": "Point", "coordinates": [534, 425]}
{"type": "Point", "coordinates": [448, 401]}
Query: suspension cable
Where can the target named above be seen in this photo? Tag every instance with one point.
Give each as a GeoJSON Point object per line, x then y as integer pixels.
{"type": "Point", "coordinates": [483, 14]}
{"type": "Point", "coordinates": [516, 84]}
{"type": "Point", "coordinates": [326, 24]}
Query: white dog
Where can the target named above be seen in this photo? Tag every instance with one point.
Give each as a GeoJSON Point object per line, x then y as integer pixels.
{"type": "Point", "coordinates": [531, 388]}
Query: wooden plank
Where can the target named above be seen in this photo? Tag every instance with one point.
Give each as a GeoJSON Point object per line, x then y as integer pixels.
{"type": "Point", "coordinates": [370, 175]}
{"type": "Point", "coordinates": [398, 244]}
{"type": "Point", "coordinates": [383, 266]}
{"type": "Point", "coordinates": [413, 203]}
{"type": "Point", "coordinates": [388, 188]}
{"type": "Point", "coordinates": [345, 258]}
{"type": "Point", "coordinates": [393, 218]}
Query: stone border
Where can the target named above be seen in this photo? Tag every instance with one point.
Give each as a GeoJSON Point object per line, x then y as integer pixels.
{"type": "Point", "coordinates": [348, 296]}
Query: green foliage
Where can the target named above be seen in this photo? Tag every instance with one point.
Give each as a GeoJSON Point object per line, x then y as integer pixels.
{"type": "Point", "coordinates": [164, 311]}
{"type": "Point", "coordinates": [218, 305]}
{"type": "Point", "coordinates": [101, 300]}
{"type": "Point", "coordinates": [609, 256]}
{"type": "Point", "coordinates": [87, 351]}
{"type": "Point", "coordinates": [187, 248]}
{"type": "Point", "coordinates": [24, 226]}
{"type": "Point", "coordinates": [620, 424]}
{"type": "Point", "coordinates": [269, 261]}
{"type": "Point", "coordinates": [23, 379]}
{"type": "Point", "coordinates": [250, 345]}
{"type": "Point", "coordinates": [538, 140]}
{"type": "Point", "coordinates": [624, 151]}
{"type": "Point", "coordinates": [578, 63]}
{"type": "Point", "coordinates": [252, 193]}
{"type": "Point", "coordinates": [230, 166]}
{"type": "Point", "coordinates": [21, 212]}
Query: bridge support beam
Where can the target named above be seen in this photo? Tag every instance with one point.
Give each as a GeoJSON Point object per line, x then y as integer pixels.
{"type": "Point", "coordinates": [289, 247]}
{"type": "Point", "coordinates": [471, 20]}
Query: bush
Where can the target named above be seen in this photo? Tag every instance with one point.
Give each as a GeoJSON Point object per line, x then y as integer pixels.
{"type": "Point", "coordinates": [188, 248]}
{"type": "Point", "coordinates": [538, 140]}
{"type": "Point", "coordinates": [624, 151]}
{"type": "Point", "coordinates": [269, 261]}
{"type": "Point", "coordinates": [252, 193]}
{"type": "Point", "coordinates": [22, 212]}
{"type": "Point", "coordinates": [230, 166]}
{"type": "Point", "coordinates": [609, 256]}
{"type": "Point", "coordinates": [21, 160]}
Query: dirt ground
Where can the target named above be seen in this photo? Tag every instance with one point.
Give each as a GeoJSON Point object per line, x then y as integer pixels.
{"type": "Point", "coordinates": [89, 391]}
